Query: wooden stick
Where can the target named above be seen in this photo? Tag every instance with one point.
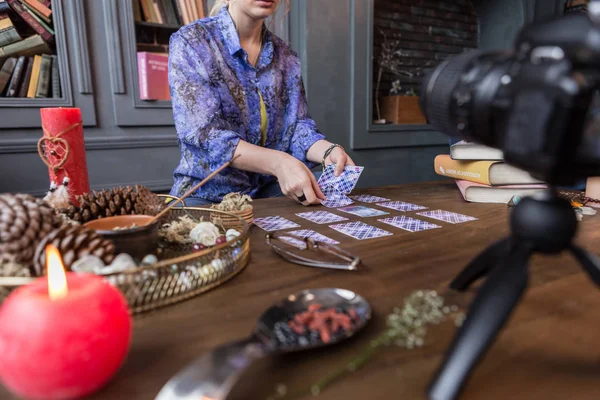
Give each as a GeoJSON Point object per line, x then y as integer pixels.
{"type": "Point", "coordinates": [15, 281]}
{"type": "Point", "coordinates": [192, 190]}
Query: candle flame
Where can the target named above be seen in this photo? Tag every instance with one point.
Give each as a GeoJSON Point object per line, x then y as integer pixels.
{"type": "Point", "coordinates": [57, 279]}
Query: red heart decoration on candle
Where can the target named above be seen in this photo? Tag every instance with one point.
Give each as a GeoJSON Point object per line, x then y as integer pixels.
{"type": "Point", "coordinates": [53, 152]}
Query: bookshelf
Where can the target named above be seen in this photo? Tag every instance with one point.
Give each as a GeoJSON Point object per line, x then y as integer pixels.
{"type": "Point", "coordinates": [155, 21]}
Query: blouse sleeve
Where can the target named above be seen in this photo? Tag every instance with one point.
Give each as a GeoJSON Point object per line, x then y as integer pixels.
{"type": "Point", "coordinates": [305, 132]}
{"type": "Point", "coordinates": [196, 106]}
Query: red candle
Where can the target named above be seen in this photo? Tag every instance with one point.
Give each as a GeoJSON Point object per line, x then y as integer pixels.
{"type": "Point", "coordinates": [63, 336]}
{"type": "Point", "coordinates": [62, 149]}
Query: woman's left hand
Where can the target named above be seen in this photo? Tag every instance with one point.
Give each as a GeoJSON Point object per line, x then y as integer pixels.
{"type": "Point", "coordinates": [339, 157]}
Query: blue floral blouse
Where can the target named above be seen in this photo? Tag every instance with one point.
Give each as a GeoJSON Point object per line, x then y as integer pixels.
{"type": "Point", "coordinates": [215, 95]}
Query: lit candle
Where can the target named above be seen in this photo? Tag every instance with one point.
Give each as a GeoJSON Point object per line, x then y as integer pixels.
{"type": "Point", "coordinates": [63, 336]}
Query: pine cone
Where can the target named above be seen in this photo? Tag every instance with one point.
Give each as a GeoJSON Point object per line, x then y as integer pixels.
{"type": "Point", "coordinates": [73, 242]}
{"type": "Point", "coordinates": [24, 221]}
{"type": "Point", "coordinates": [117, 201]}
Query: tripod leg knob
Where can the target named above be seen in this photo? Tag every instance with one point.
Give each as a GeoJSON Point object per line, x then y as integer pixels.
{"type": "Point", "coordinates": [481, 265]}
{"type": "Point", "coordinates": [588, 261]}
{"type": "Point", "coordinates": [490, 310]}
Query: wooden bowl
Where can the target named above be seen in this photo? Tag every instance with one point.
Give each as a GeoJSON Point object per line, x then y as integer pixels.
{"type": "Point", "coordinates": [129, 233]}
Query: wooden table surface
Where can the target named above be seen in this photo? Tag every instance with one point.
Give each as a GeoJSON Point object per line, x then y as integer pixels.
{"type": "Point", "coordinates": [549, 349]}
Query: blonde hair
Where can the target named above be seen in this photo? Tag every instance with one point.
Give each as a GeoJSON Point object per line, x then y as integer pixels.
{"type": "Point", "coordinates": [220, 3]}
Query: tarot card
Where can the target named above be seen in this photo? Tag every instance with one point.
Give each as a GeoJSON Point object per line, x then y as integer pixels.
{"type": "Point", "coordinates": [409, 224]}
{"type": "Point", "coordinates": [362, 211]}
{"type": "Point", "coordinates": [307, 233]}
{"type": "Point", "coordinates": [367, 198]}
{"type": "Point", "coordinates": [335, 198]}
{"type": "Point", "coordinates": [447, 216]}
{"type": "Point", "coordinates": [401, 206]}
{"type": "Point", "coordinates": [360, 230]}
{"type": "Point", "coordinates": [343, 183]}
{"type": "Point", "coordinates": [293, 241]}
{"type": "Point", "coordinates": [321, 217]}
{"type": "Point", "coordinates": [274, 223]}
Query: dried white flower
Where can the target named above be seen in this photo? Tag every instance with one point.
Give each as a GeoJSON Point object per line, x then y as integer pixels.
{"type": "Point", "coordinates": [205, 233]}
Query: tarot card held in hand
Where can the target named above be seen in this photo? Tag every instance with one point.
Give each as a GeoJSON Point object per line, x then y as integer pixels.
{"type": "Point", "coordinates": [335, 198]}
{"type": "Point", "coordinates": [367, 198]}
{"type": "Point", "coordinates": [343, 183]}
{"type": "Point", "coordinates": [360, 230]}
{"type": "Point", "coordinates": [274, 223]}
{"type": "Point", "coordinates": [447, 216]}
{"type": "Point", "coordinates": [321, 217]}
{"type": "Point", "coordinates": [307, 233]}
{"type": "Point", "coordinates": [401, 206]}
{"type": "Point", "coordinates": [409, 224]}
{"type": "Point", "coordinates": [362, 211]}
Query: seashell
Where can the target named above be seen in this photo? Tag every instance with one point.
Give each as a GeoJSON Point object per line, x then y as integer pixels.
{"type": "Point", "coordinates": [149, 259]}
{"type": "Point", "coordinates": [232, 234]}
{"type": "Point", "coordinates": [87, 264]}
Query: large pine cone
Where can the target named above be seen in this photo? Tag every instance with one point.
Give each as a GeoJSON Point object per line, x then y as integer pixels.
{"type": "Point", "coordinates": [117, 201]}
{"type": "Point", "coordinates": [73, 242]}
{"type": "Point", "coordinates": [24, 221]}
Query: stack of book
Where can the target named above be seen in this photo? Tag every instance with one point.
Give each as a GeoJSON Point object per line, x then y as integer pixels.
{"type": "Point", "coordinates": [28, 64]}
{"type": "Point", "coordinates": [169, 12]}
{"type": "Point", "coordinates": [482, 176]}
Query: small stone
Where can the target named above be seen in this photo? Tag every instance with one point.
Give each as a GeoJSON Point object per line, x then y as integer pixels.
{"type": "Point", "coordinates": [232, 234]}
{"type": "Point", "coordinates": [218, 264]}
{"type": "Point", "coordinates": [579, 215]}
{"type": "Point", "coordinates": [588, 211]}
{"type": "Point", "coordinates": [236, 253]}
{"type": "Point", "coordinates": [88, 263]}
{"type": "Point", "coordinates": [150, 259]}
{"type": "Point", "coordinates": [121, 263]}
{"type": "Point", "coordinates": [174, 268]}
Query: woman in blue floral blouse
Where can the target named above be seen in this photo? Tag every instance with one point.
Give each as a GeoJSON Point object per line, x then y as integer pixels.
{"type": "Point", "coordinates": [237, 90]}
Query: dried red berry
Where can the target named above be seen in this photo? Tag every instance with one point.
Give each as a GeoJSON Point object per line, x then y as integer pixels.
{"type": "Point", "coordinates": [221, 240]}
{"type": "Point", "coordinates": [198, 247]}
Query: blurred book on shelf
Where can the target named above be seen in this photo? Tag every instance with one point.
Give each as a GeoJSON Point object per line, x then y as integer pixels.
{"type": "Point", "coordinates": [169, 12]}
{"type": "Point", "coordinates": [28, 61]}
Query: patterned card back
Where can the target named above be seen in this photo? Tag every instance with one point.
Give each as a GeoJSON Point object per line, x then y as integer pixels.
{"type": "Point", "coordinates": [274, 223]}
{"type": "Point", "coordinates": [321, 217]}
{"type": "Point", "coordinates": [360, 230]}
{"type": "Point", "coordinates": [308, 233]}
{"type": "Point", "coordinates": [409, 224]}
{"type": "Point", "coordinates": [335, 198]}
{"type": "Point", "coordinates": [401, 206]}
{"type": "Point", "coordinates": [344, 183]}
{"type": "Point", "coordinates": [367, 198]}
{"type": "Point", "coordinates": [447, 216]}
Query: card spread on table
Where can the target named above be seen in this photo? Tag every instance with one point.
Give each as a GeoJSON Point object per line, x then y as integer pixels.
{"type": "Point", "coordinates": [360, 230]}
{"type": "Point", "coordinates": [335, 198]}
{"type": "Point", "coordinates": [362, 211]}
{"type": "Point", "coordinates": [409, 224]}
{"type": "Point", "coordinates": [321, 217]}
{"type": "Point", "coordinates": [447, 216]}
{"type": "Point", "coordinates": [308, 233]}
{"type": "Point", "coordinates": [367, 198]}
{"type": "Point", "coordinates": [274, 223]}
{"type": "Point", "coordinates": [343, 183]}
{"type": "Point", "coordinates": [300, 244]}
{"type": "Point", "coordinates": [401, 206]}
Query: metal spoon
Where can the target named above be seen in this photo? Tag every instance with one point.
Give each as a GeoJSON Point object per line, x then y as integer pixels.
{"type": "Point", "coordinates": [213, 375]}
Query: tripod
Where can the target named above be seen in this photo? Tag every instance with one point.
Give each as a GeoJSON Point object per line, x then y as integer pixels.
{"type": "Point", "coordinates": [544, 224]}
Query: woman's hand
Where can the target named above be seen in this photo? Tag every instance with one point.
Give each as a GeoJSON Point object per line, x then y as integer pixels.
{"type": "Point", "coordinates": [339, 157]}
{"type": "Point", "coordinates": [297, 182]}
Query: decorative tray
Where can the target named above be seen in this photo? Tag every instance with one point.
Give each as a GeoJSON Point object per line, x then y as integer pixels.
{"type": "Point", "coordinates": [181, 272]}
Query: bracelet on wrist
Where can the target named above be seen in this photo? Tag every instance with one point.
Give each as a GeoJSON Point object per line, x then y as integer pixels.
{"type": "Point", "coordinates": [328, 152]}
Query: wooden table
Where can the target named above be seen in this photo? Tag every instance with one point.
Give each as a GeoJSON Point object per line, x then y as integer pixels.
{"type": "Point", "coordinates": [549, 349]}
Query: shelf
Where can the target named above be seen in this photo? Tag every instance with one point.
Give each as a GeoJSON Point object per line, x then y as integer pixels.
{"type": "Point", "coordinates": [157, 26]}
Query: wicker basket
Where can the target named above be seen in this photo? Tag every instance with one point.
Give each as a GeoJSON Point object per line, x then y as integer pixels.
{"type": "Point", "coordinates": [232, 221]}
{"type": "Point", "coordinates": [181, 273]}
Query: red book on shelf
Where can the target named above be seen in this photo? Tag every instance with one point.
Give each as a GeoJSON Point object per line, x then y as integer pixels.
{"type": "Point", "coordinates": [153, 76]}
{"type": "Point", "coordinates": [37, 27]}
{"type": "Point", "coordinates": [42, 9]}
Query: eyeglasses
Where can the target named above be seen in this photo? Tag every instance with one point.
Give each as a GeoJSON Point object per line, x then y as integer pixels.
{"type": "Point", "coordinates": [283, 244]}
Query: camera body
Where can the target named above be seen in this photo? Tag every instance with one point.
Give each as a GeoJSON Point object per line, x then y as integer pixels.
{"type": "Point", "coordinates": [532, 102]}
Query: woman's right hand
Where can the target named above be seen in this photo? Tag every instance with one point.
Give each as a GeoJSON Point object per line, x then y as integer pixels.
{"type": "Point", "coordinates": [296, 180]}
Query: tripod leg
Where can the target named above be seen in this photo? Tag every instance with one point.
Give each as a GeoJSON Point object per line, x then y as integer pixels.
{"type": "Point", "coordinates": [480, 265]}
{"type": "Point", "coordinates": [490, 310]}
{"type": "Point", "coordinates": [588, 261]}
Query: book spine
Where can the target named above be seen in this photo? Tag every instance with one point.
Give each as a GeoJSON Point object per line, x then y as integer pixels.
{"type": "Point", "coordinates": [43, 86]}
{"type": "Point", "coordinates": [30, 46]}
{"type": "Point", "coordinates": [143, 74]}
{"type": "Point", "coordinates": [137, 10]}
{"type": "Point", "coordinates": [194, 12]}
{"type": "Point", "coordinates": [36, 26]}
{"type": "Point", "coordinates": [169, 11]}
{"type": "Point", "coordinates": [56, 92]}
{"type": "Point", "coordinates": [157, 12]}
{"type": "Point", "coordinates": [8, 33]}
{"type": "Point", "coordinates": [35, 12]}
{"type": "Point", "coordinates": [26, 78]}
{"type": "Point", "coordinates": [201, 9]}
{"type": "Point", "coordinates": [178, 14]}
{"type": "Point", "coordinates": [475, 171]}
{"type": "Point", "coordinates": [5, 73]}
{"type": "Point", "coordinates": [4, 6]}
{"type": "Point", "coordinates": [35, 77]}
{"type": "Point", "coordinates": [42, 9]}
{"type": "Point", "coordinates": [42, 23]}
{"type": "Point", "coordinates": [46, 3]}
{"type": "Point", "coordinates": [145, 11]}
{"type": "Point", "coordinates": [184, 11]}
{"type": "Point", "coordinates": [15, 80]}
